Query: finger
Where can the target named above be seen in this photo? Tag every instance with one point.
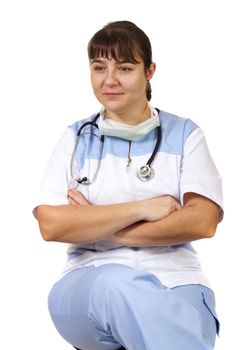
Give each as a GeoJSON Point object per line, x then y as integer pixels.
{"type": "Point", "coordinates": [71, 201]}
{"type": "Point", "coordinates": [178, 205]}
{"type": "Point", "coordinates": [77, 197]}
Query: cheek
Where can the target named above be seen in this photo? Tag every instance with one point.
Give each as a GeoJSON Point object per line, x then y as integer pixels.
{"type": "Point", "coordinates": [95, 82]}
{"type": "Point", "coordinates": [137, 82]}
{"type": "Point", "coordinates": [138, 86]}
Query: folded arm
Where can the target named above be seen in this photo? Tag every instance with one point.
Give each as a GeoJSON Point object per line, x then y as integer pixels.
{"type": "Point", "coordinates": [197, 219]}
{"type": "Point", "coordinates": [81, 222]}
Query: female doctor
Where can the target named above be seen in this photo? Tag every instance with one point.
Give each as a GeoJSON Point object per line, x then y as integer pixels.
{"type": "Point", "coordinates": [128, 189]}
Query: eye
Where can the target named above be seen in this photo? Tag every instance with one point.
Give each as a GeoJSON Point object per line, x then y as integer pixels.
{"type": "Point", "coordinates": [99, 68]}
{"type": "Point", "coordinates": [125, 69]}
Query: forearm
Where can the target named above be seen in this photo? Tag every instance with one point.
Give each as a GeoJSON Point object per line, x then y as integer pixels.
{"type": "Point", "coordinates": [185, 225]}
{"type": "Point", "coordinates": [84, 224]}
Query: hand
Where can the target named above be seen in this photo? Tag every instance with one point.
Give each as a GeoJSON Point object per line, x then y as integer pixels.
{"type": "Point", "coordinates": [76, 198]}
{"type": "Point", "coordinates": [153, 209]}
{"type": "Point", "coordinates": [158, 208]}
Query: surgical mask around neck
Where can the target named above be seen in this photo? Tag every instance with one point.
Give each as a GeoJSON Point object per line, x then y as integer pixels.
{"type": "Point", "coordinates": [110, 127]}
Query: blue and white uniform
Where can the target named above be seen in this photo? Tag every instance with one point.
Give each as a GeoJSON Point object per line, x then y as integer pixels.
{"type": "Point", "coordinates": [157, 276]}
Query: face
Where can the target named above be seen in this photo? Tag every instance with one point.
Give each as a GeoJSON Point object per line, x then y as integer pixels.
{"type": "Point", "coordinates": [120, 86]}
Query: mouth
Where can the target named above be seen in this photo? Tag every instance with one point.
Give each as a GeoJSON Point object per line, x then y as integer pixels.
{"type": "Point", "coordinates": [112, 94]}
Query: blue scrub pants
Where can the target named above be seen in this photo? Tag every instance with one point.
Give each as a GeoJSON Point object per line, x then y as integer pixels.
{"type": "Point", "coordinates": [110, 306]}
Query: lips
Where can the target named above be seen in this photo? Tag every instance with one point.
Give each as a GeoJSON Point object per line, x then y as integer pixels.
{"type": "Point", "coordinates": [113, 93]}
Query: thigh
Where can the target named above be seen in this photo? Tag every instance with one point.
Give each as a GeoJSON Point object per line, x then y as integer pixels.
{"type": "Point", "coordinates": [82, 308]}
{"type": "Point", "coordinates": [203, 299]}
{"type": "Point", "coordinates": [68, 304]}
{"type": "Point", "coordinates": [80, 304]}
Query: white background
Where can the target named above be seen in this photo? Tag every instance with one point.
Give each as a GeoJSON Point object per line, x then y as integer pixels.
{"type": "Point", "coordinates": [44, 86]}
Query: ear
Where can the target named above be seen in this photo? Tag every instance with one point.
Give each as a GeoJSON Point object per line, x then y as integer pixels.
{"type": "Point", "coordinates": [150, 71]}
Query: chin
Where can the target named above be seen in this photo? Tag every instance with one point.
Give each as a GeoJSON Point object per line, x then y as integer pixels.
{"type": "Point", "coordinates": [113, 106]}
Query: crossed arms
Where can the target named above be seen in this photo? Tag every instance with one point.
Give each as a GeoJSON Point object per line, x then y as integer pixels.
{"type": "Point", "coordinates": [151, 222]}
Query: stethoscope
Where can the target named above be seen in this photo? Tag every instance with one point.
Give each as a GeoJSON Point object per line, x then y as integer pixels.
{"type": "Point", "coordinates": [144, 173]}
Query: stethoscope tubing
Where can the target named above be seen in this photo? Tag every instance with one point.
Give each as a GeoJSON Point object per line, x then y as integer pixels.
{"type": "Point", "coordinates": [144, 173]}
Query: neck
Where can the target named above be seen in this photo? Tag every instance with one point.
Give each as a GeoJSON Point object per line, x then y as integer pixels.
{"type": "Point", "coordinates": [132, 117]}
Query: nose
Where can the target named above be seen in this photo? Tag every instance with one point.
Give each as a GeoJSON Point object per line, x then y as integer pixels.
{"type": "Point", "coordinates": [111, 78]}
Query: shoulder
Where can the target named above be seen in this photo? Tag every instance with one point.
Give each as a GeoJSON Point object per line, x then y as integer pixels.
{"type": "Point", "coordinates": [176, 131]}
{"type": "Point", "coordinates": [174, 123]}
{"type": "Point", "coordinates": [76, 125]}
{"type": "Point", "coordinates": [67, 139]}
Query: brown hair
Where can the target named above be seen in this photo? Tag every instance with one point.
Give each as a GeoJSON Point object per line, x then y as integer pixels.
{"type": "Point", "coordinates": [122, 41]}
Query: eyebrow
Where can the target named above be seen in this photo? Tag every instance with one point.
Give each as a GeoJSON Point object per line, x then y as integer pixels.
{"type": "Point", "coordinates": [96, 60]}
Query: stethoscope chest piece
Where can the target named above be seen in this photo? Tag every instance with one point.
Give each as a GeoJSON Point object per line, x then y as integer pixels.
{"type": "Point", "coordinates": [145, 173]}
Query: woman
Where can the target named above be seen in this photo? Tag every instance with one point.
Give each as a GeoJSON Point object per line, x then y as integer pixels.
{"type": "Point", "coordinates": [129, 194]}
